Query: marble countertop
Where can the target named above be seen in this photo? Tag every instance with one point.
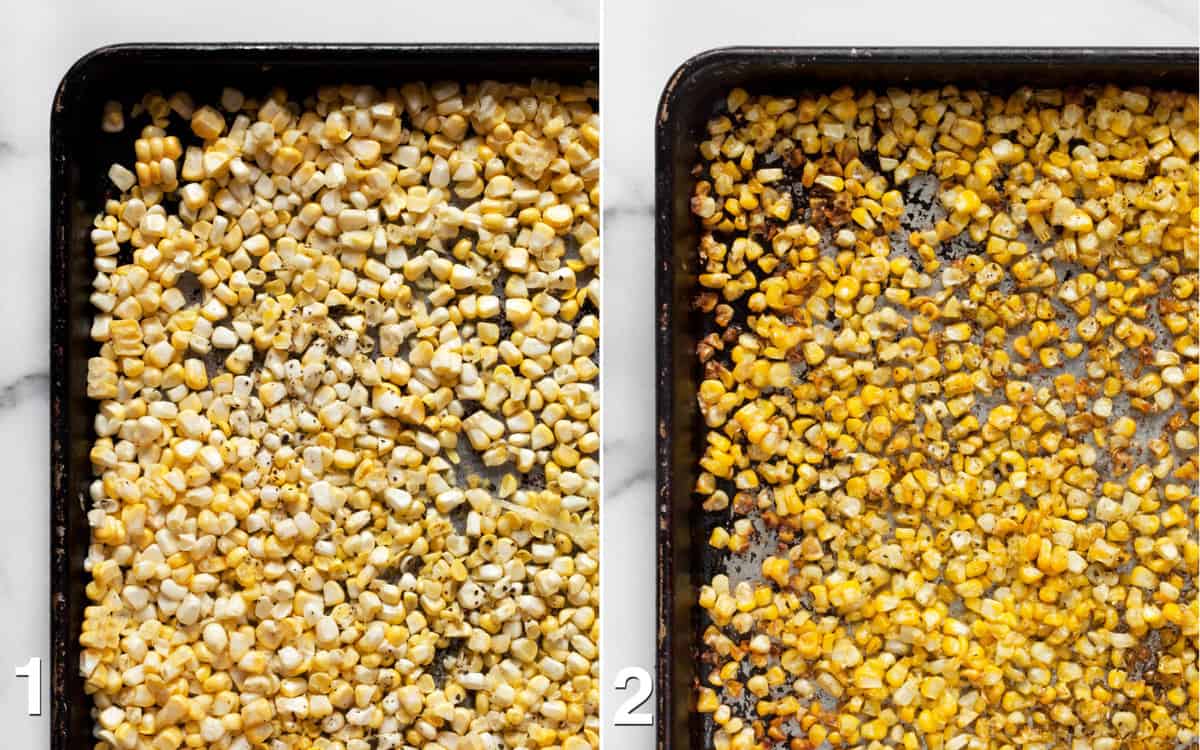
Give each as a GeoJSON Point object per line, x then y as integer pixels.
{"type": "Point", "coordinates": [644, 42]}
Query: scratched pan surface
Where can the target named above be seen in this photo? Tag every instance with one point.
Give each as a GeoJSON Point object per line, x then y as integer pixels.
{"type": "Point", "coordinates": [80, 154]}
{"type": "Point", "coordinates": [694, 94]}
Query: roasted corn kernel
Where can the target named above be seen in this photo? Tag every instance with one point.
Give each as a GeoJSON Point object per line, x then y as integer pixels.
{"type": "Point", "coordinates": [964, 436]}
{"type": "Point", "coordinates": [346, 456]}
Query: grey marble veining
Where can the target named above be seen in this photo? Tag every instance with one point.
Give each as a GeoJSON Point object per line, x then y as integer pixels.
{"type": "Point", "coordinates": [34, 385]}
{"type": "Point", "coordinates": [1184, 14]}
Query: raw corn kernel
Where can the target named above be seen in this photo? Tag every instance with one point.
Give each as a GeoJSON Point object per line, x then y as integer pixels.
{"type": "Point", "coordinates": [952, 448]}
{"type": "Point", "coordinates": [346, 457]}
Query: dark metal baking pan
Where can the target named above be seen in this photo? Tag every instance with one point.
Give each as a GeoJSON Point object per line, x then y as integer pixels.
{"type": "Point", "coordinates": [693, 95]}
{"type": "Point", "coordinates": [80, 154]}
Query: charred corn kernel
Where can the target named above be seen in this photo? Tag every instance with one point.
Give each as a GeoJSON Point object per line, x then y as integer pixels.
{"type": "Point", "coordinates": [941, 453]}
{"type": "Point", "coordinates": [348, 417]}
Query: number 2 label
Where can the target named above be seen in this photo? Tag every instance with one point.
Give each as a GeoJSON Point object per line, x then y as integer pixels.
{"type": "Point", "coordinates": [644, 688]}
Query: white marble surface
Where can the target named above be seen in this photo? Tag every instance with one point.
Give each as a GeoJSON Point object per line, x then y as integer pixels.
{"type": "Point", "coordinates": [44, 37]}
{"type": "Point", "coordinates": [644, 42]}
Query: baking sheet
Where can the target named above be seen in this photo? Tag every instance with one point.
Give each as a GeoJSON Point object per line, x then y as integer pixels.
{"type": "Point", "coordinates": [80, 154]}
{"type": "Point", "coordinates": [692, 96]}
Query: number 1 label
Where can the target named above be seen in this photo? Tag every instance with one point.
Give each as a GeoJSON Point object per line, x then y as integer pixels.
{"type": "Point", "coordinates": [33, 671]}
